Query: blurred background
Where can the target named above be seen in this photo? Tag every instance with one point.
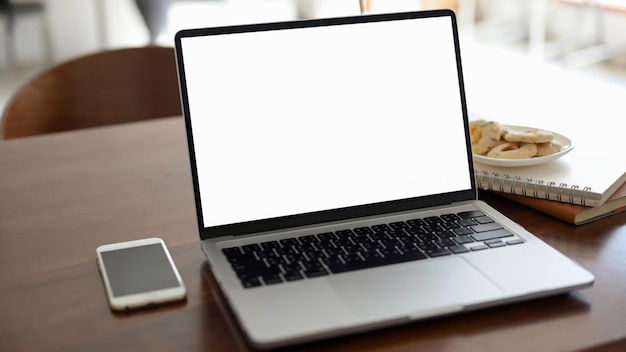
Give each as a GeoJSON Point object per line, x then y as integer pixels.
{"type": "Point", "coordinates": [585, 37]}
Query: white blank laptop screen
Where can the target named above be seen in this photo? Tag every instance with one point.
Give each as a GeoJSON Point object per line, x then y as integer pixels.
{"type": "Point", "coordinates": [295, 121]}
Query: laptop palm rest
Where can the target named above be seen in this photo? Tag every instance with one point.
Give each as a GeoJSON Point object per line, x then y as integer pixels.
{"type": "Point", "coordinates": [426, 288]}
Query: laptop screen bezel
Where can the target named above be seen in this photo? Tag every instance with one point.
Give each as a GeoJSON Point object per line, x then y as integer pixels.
{"type": "Point", "coordinates": [331, 215]}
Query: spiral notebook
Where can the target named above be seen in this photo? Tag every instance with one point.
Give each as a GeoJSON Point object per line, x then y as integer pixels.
{"type": "Point", "coordinates": [574, 179]}
{"type": "Point", "coordinates": [573, 213]}
{"type": "Point", "coordinates": [577, 188]}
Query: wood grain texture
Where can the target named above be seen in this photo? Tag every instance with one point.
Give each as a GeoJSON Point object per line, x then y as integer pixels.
{"type": "Point", "coordinates": [63, 195]}
{"type": "Point", "coordinates": [99, 89]}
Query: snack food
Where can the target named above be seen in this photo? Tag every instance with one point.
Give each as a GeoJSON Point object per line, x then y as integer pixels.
{"type": "Point", "coordinates": [549, 148]}
{"type": "Point", "coordinates": [513, 150]}
{"type": "Point", "coordinates": [489, 138]}
{"type": "Point", "coordinates": [485, 135]}
{"type": "Point", "coordinates": [528, 136]}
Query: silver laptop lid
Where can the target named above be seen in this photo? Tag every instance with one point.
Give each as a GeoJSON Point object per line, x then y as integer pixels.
{"type": "Point", "coordinates": [302, 122]}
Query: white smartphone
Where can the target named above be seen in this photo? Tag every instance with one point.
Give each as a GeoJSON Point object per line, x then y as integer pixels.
{"type": "Point", "coordinates": [139, 273]}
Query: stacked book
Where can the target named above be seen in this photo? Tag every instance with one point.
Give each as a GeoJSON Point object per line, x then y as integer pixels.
{"type": "Point", "coordinates": [568, 189]}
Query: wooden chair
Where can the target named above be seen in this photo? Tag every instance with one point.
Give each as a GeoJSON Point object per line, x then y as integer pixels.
{"type": "Point", "coordinates": [104, 88]}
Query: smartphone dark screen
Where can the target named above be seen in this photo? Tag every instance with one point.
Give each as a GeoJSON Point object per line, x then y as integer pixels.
{"type": "Point", "coordinates": [139, 269]}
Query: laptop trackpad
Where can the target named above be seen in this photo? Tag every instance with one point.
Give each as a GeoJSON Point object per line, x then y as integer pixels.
{"type": "Point", "coordinates": [419, 290]}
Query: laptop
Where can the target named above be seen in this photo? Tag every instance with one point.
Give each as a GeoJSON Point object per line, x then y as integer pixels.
{"type": "Point", "coordinates": [334, 183]}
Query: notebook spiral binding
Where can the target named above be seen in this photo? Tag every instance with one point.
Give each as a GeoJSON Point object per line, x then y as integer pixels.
{"type": "Point", "coordinates": [531, 188]}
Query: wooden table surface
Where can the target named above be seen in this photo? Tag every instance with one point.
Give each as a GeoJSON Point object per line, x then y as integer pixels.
{"type": "Point", "coordinates": [62, 195]}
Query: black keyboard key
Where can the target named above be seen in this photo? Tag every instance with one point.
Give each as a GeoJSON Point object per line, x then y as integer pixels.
{"type": "Point", "coordinates": [342, 241]}
{"type": "Point", "coordinates": [251, 282]}
{"type": "Point", "coordinates": [313, 268]}
{"type": "Point", "coordinates": [484, 220]}
{"type": "Point", "coordinates": [390, 242]}
{"type": "Point", "coordinates": [360, 239]}
{"type": "Point", "coordinates": [231, 251]}
{"type": "Point", "coordinates": [381, 228]}
{"type": "Point", "coordinates": [355, 247]}
{"type": "Point", "coordinates": [404, 238]}
{"type": "Point", "coordinates": [301, 248]}
{"type": "Point", "coordinates": [462, 231]}
{"type": "Point", "coordinates": [252, 276]}
{"type": "Point", "coordinates": [285, 250]}
{"type": "Point", "coordinates": [398, 225]}
{"type": "Point", "coordinates": [379, 236]}
{"type": "Point", "coordinates": [450, 225]}
{"type": "Point", "coordinates": [470, 214]}
{"type": "Point", "coordinates": [312, 254]}
{"type": "Point", "coordinates": [489, 235]}
{"type": "Point", "coordinates": [243, 268]}
{"type": "Point", "coordinates": [467, 222]}
{"type": "Point", "coordinates": [325, 244]}
{"type": "Point", "coordinates": [291, 267]}
{"type": "Point", "coordinates": [266, 253]}
{"type": "Point", "coordinates": [408, 248]}
{"type": "Point", "coordinates": [409, 240]}
{"type": "Point", "coordinates": [436, 252]}
{"type": "Point", "coordinates": [430, 228]}
{"type": "Point", "coordinates": [395, 257]}
{"type": "Point", "coordinates": [332, 251]}
{"type": "Point", "coordinates": [458, 249]}
{"type": "Point", "coordinates": [241, 258]}
{"type": "Point", "coordinates": [343, 267]}
{"type": "Point", "coordinates": [495, 243]}
{"type": "Point", "coordinates": [372, 246]}
{"type": "Point", "coordinates": [255, 268]}
{"type": "Point", "coordinates": [371, 256]}
{"type": "Point", "coordinates": [271, 279]}
{"type": "Point", "coordinates": [444, 233]}
{"type": "Point", "coordinates": [336, 259]}
{"type": "Point", "coordinates": [486, 227]}
{"type": "Point", "coordinates": [427, 237]}
{"type": "Point", "coordinates": [389, 252]}
{"type": "Point", "coordinates": [349, 258]}
{"type": "Point", "coordinates": [445, 242]}
{"type": "Point", "coordinates": [396, 233]}
{"type": "Point", "coordinates": [293, 276]}
{"type": "Point", "coordinates": [450, 217]}
{"type": "Point", "coordinates": [426, 246]}
{"type": "Point", "coordinates": [308, 239]}
{"type": "Point", "coordinates": [315, 272]}
{"type": "Point", "coordinates": [294, 258]}
{"type": "Point", "coordinates": [275, 261]}
{"type": "Point", "coordinates": [463, 239]}
{"type": "Point", "coordinates": [515, 241]}
{"type": "Point", "coordinates": [344, 233]}
{"type": "Point", "coordinates": [311, 264]}
{"type": "Point", "coordinates": [289, 242]}
{"type": "Point", "coordinates": [250, 248]}
{"type": "Point", "coordinates": [327, 236]}
{"type": "Point", "coordinates": [416, 223]}
{"type": "Point", "coordinates": [270, 245]}
{"type": "Point", "coordinates": [416, 231]}
{"type": "Point", "coordinates": [431, 220]}
{"type": "Point", "coordinates": [363, 231]}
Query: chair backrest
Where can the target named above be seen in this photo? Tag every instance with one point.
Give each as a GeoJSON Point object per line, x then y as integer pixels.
{"type": "Point", "coordinates": [104, 88]}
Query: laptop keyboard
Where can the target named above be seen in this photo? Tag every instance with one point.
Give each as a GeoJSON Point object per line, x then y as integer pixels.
{"type": "Point", "coordinates": [310, 256]}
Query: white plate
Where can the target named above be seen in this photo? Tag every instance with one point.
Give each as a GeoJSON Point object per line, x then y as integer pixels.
{"type": "Point", "coordinates": [565, 142]}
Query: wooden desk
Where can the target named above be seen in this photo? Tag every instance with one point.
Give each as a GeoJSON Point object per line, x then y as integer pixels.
{"type": "Point", "coordinates": [63, 195]}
